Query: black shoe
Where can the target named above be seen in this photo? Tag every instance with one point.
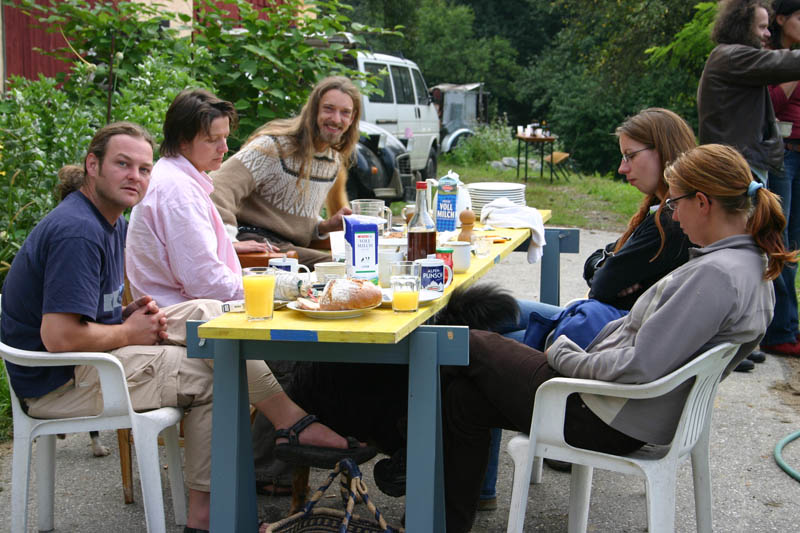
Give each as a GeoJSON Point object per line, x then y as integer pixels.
{"type": "Point", "coordinates": [745, 365]}
{"type": "Point", "coordinates": [561, 466]}
{"type": "Point", "coordinates": [390, 474]}
{"type": "Point", "coordinates": [757, 356]}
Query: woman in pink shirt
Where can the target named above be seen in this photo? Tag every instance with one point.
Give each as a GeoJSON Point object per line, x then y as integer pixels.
{"type": "Point", "coordinates": [177, 248]}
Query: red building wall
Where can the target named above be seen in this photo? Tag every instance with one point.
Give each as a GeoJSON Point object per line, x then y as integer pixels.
{"type": "Point", "coordinates": [21, 37]}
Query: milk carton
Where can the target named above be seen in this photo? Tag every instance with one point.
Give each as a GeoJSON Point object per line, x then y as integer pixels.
{"type": "Point", "coordinates": [361, 247]}
{"type": "Point", "coordinates": [446, 196]}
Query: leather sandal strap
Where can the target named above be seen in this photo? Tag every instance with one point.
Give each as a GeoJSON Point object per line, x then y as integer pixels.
{"type": "Point", "coordinates": [293, 432]}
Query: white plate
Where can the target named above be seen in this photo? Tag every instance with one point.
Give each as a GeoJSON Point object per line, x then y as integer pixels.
{"type": "Point", "coordinates": [491, 186]}
{"type": "Point", "coordinates": [349, 313]}
{"type": "Point", "coordinates": [425, 297]}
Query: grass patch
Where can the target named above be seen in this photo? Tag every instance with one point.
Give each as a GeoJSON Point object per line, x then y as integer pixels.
{"type": "Point", "coordinates": [591, 202]}
{"type": "Point", "coordinates": [5, 406]}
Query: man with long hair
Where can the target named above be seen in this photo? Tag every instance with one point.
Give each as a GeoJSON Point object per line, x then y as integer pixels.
{"type": "Point", "coordinates": [274, 188]}
{"type": "Point", "coordinates": [735, 108]}
{"type": "Point", "coordinates": [733, 103]}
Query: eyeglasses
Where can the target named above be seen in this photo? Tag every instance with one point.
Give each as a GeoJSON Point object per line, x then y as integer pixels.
{"type": "Point", "coordinates": [671, 203]}
{"type": "Point", "coordinates": [629, 156]}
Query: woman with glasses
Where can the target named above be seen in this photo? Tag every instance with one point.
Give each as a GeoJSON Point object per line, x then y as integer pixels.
{"type": "Point", "coordinates": [722, 294]}
{"type": "Point", "coordinates": [651, 246]}
{"type": "Point", "coordinates": [782, 336]}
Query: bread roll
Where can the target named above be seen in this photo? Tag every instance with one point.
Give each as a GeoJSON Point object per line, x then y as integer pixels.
{"type": "Point", "coordinates": [346, 294]}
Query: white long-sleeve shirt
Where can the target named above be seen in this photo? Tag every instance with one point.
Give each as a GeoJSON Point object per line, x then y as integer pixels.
{"type": "Point", "coordinates": [177, 248]}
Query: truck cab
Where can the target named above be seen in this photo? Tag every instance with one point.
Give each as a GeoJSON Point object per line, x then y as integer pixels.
{"type": "Point", "coordinates": [404, 109]}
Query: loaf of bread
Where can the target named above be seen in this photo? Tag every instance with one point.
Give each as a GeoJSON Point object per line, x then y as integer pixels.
{"type": "Point", "coordinates": [346, 294]}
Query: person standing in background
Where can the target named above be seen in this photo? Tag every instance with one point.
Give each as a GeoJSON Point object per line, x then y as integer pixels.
{"type": "Point", "coordinates": [782, 335]}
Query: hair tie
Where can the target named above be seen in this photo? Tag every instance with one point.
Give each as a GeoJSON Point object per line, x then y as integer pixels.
{"type": "Point", "coordinates": [753, 187]}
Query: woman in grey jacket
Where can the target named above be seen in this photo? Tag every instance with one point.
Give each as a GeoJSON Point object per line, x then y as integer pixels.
{"type": "Point", "coordinates": [721, 295]}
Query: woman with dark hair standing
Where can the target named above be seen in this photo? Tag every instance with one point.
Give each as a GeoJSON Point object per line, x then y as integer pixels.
{"type": "Point", "coordinates": [782, 334]}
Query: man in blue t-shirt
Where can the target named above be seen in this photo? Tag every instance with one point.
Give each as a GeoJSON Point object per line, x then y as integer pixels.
{"type": "Point", "coordinates": [63, 293]}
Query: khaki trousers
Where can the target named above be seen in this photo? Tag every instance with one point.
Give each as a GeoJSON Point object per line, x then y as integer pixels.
{"type": "Point", "coordinates": [162, 376]}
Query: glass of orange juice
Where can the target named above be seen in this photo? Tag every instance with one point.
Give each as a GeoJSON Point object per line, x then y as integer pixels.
{"type": "Point", "coordinates": [259, 292]}
{"type": "Point", "coordinates": [405, 286]}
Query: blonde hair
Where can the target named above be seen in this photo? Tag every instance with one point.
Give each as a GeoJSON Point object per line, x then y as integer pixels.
{"type": "Point", "coordinates": [721, 173]}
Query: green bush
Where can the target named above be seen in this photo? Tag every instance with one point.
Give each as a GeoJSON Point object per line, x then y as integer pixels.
{"type": "Point", "coordinates": [490, 142]}
{"type": "Point", "coordinates": [5, 406]}
{"type": "Point", "coordinates": [267, 67]}
{"type": "Point", "coordinates": [44, 128]}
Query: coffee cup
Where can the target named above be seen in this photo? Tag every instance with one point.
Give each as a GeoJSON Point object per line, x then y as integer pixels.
{"type": "Point", "coordinates": [462, 255]}
{"type": "Point", "coordinates": [385, 259]}
{"type": "Point", "coordinates": [432, 274]}
{"type": "Point", "coordinates": [329, 270]}
{"type": "Point", "coordinates": [289, 264]}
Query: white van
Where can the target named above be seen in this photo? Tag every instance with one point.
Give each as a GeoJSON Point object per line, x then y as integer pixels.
{"type": "Point", "coordinates": [405, 109]}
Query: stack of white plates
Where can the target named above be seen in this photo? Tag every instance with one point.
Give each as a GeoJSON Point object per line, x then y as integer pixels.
{"type": "Point", "coordinates": [483, 193]}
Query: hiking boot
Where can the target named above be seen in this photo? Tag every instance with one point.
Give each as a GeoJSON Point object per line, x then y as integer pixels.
{"type": "Point", "coordinates": [390, 474]}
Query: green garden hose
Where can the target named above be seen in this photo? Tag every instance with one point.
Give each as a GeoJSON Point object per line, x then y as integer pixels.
{"type": "Point", "coordinates": [779, 455]}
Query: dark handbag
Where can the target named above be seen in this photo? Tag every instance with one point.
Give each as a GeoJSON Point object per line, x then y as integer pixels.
{"type": "Point", "coordinates": [596, 260]}
{"type": "Point", "coordinates": [325, 520]}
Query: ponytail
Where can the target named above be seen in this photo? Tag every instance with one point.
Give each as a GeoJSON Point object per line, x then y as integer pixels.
{"type": "Point", "coordinates": [70, 179]}
{"type": "Point", "coordinates": [766, 225]}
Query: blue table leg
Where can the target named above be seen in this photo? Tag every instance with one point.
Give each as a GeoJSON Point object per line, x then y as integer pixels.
{"type": "Point", "coordinates": [559, 240]}
{"type": "Point", "coordinates": [233, 498]}
{"type": "Point", "coordinates": [425, 470]}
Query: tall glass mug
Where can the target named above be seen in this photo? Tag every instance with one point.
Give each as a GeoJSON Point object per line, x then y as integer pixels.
{"type": "Point", "coordinates": [259, 292]}
{"type": "Point", "coordinates": [405, 286]}
{"type": "Point", "coordinates": [373, 208]}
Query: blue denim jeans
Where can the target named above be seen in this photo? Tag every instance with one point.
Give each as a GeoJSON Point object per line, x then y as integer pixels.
{"type": "Point", "coordinates": [783, 327]}
{"type": "Point", "coordinates": [514, 331]}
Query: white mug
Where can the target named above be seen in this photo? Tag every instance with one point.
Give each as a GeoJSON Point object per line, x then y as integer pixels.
{"type": "Point", "coordinates": [385, 259]}
{"type": "Point", "coordinates": [289, 264]}
{"type": "Point", "coordinates": [328, 270]}
{"type": "Point", "coordinates": [432, 274]}
{"type": "Point", "coordinates": [462, 255]}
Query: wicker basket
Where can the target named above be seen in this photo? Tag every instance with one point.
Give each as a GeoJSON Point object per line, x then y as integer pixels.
{"type": "Point", "coordinates": [314, 519]}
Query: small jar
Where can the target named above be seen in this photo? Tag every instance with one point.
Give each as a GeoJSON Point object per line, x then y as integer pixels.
{"type": "Point", "coordinates": [446, 255]}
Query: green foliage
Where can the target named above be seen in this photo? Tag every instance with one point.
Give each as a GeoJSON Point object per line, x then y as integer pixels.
{"type": "Point", "coordinates": [490, 142]}
{"type": "Point", "coordinates": [5, 406]}
{"type": "Point", "coordinates": [691, 45]}
{"type": "Point", "coordinates": [597, 73]}
{"type": "Point", "coordinates": [447, 50]}
{"type": "Point", "coordinates": [112, 39]}
{"type": "Point", "coordinates": [266, 66]}
{"type": "Point", "coordinates": [44, 128]}
{"type": "Point", "coordinates": [41, 130]}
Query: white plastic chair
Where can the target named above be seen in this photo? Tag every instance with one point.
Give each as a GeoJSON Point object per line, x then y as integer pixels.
{"type": "Point", "coordinates": [117, 413]}
{"type": "Point", "coordinates": [657, 464]}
